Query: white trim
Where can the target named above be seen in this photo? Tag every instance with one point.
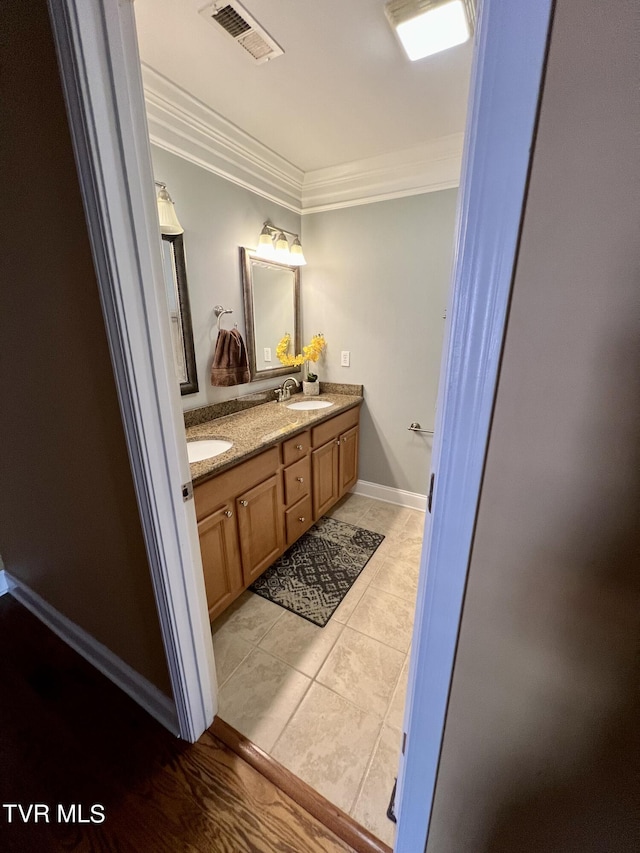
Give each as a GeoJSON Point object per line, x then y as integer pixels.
{"type": "Point", "coordinates": [511, 46]}
{"type": "Point", "coordinates": [141, 690]}
{"type": "Point", "coordinates": [100, 71]}
{"type": "Point", "coordinates": [183, 125]}
{"type": "Point", "coordinates": [390, 495]}
{"type": "Point", "coordinates": [4, 582]}
{"type": "Point", "coordinates": [372, 199]}
{"type": "Point", "coordinates": [426, 168]}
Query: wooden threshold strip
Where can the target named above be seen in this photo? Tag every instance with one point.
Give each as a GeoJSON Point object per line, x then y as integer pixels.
{"type": "Point", "coordinates": [337, 821]}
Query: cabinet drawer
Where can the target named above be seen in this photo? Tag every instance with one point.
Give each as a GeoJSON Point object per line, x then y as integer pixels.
{"type": "Point", "coordinates": [295, 448]}
{"type": "Point", "coordinates": [333, 427]}
{"type": "Point", "coordinates": [298, 519]}
{"type": "Point", "coordinates": [297, 481]}
{"type": "Point", "coordinates": [212, 494]}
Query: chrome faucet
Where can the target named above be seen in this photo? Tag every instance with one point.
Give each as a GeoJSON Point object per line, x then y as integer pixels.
{"type": "Point", "coordinates": [283, 393]}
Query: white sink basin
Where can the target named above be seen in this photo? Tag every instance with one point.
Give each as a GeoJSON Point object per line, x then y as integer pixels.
{"type": "Point", "coordinates": [205, 448]}
{"type": "Point", "coordinates": [307, 405]}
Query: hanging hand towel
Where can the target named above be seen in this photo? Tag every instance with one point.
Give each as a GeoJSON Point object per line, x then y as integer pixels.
{"type": "Point", "coordinates": [230, 365]}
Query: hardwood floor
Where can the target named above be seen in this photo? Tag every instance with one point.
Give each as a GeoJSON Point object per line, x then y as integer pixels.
{"type": "Point", "coordinates": [67, 735]}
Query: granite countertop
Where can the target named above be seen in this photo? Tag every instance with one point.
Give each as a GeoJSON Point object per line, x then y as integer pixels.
{"type": "Point", "coordinates": [259, 428]}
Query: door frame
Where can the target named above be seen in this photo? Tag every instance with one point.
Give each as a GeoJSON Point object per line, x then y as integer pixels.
{"type": "Point", "coordinates": [97, 51]}
{"type": "Point", "coordinates": [506, 82]}
{"type": "Point", "coordinates": [98, 56]}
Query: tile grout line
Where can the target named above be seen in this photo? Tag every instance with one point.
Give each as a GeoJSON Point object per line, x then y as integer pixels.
{"type": "Point", "coordinates": [387, 592]}
{"type": "Point", "coordinates": [291, 716]}
{"type": "Point", "coordinates": [234, 670]}
{"type": "Point", "coordinates": [248, 642]}
{"type": "Point", "coordinates": [382, 643]}
{"type": "Point", "coordinates": [366, 771]}
{"type": "Point", "coordinates": [293, 666]}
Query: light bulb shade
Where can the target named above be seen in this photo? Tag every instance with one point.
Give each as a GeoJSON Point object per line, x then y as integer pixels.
{"type": "Point", "coordinates": [169, 223]}
{"type": "Point", "coordinates": [282, 248]}
{"type": "Point", "coordinates": [296, 256]}
{"type": "Point", "coordinates": [265, 244]}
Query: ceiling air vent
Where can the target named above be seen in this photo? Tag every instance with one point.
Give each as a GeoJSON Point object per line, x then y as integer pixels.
{"type": "Point", "coordinates": [243, 29]}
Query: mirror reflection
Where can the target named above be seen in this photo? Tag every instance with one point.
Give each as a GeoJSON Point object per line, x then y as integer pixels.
{"type": "Point", "coordinates": [272, 308]}
{"type": "Point", "coordinates": [175, 279]}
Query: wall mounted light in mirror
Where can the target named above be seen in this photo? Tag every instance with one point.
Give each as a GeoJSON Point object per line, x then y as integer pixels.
{"type": "Point", "coordinates": [272, 309]}
{"type": "Point", "coordinates": [175, 279]}
{"type": "Point", "coordinates": [167, 216]}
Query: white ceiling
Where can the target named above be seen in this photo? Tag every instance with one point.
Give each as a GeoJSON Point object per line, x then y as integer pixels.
{"type": "Point", "coordinates": [343, 90]}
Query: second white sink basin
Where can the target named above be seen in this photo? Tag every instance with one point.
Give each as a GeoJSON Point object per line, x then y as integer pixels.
{"type": "Point", "coordinates": [205, 448]}
{"type": "Point", "coordinates": [307, 405]}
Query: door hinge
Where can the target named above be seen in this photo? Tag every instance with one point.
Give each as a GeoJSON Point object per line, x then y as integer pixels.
{"type": "Point", "coordinates": [404, 741]}
{"type": "Point", "coordinates": [187, 491]}
{"type": "Point", "coordinates": [430, 498]}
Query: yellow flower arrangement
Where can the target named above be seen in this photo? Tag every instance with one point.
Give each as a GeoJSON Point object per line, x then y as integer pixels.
{"type": "Point", "coordinates": [311, 352]}
{"type": "Point", "coordinates": [282, 352]}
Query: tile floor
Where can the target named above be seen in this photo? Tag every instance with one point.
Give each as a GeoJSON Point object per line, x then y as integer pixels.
{"type": "Point", "coordinates": [328, 702]}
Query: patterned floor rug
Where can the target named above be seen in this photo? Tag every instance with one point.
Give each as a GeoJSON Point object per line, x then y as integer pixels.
{"type": "Point", "coordinates": [316, 573]}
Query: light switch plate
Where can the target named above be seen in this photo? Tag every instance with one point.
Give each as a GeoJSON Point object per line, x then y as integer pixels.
{"type": "Point", "coordinates": [267, 353]}
{"type": "Point", "coordinates": [345, 358]}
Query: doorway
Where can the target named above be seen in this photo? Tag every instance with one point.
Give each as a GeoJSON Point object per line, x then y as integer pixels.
{"type": "Point", "coordinates": [510, 174]}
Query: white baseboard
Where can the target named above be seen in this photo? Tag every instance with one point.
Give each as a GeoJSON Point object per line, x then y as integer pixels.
{"type": "Point", "coordinates": [141, 690]}
{"type": "Point", "coordinates": [390, 495]}
{"type": "Point", "coordinates": [4, 583]}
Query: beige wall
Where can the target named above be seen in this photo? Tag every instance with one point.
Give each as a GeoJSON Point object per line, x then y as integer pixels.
{"type": "Point", "coordinates": [541, 739]}
{"type": "Point", "coordinates": [69, 524]}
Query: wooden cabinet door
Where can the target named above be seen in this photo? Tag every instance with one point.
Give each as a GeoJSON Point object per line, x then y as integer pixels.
{"type": "Point", "coordinates": [260, 523]}
{"type": "Point", "coordinates": [220, 559]}
{"type": "Point", "coordinates": [348, 460]}
{"type": "Point", "coordinates": [325, 467]}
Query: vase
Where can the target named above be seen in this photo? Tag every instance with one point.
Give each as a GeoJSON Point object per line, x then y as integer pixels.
{"type": "Point", "coordinates": [311, 389]}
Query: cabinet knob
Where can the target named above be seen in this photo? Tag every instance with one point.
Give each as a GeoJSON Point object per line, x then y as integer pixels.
{"type": "Point", "coordinates": [300, 479]}
{"type": "Point", "coordinates": [228, 513]}
{"type": "Point", "coordinates": [244, 503]}
{"type": "Point", "coordinates": [298, 447]}
{"type": "Point", "coordinates": [301, 518]}
{"type": "Point", "coordinates": [337, 441]}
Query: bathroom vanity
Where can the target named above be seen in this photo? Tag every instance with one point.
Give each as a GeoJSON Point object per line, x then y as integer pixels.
{"type": "Point", "coordinates": [285, 469]}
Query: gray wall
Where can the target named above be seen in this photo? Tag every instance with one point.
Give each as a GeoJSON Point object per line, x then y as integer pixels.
{"type": "Point", "coordinates": [376, 285]}
{"type": "Point", "coordinates": [69, 522]}
{"type": "Point", "coordinates": [541, 749]}
{"type": "Point", "coordinates": [218, 217]}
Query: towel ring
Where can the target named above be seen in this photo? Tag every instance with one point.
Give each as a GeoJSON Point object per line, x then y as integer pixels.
{"type": "Point", "coordinates": [219, 311]}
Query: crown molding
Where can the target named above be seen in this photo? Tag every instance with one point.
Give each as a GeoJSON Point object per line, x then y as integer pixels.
{"type": "Point", "coordinates": [183, 125]}
{"type": "Point", "coordinates": [425, 168]}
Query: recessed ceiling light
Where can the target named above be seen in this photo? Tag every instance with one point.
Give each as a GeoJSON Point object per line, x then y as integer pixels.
{"type": "Point", "coordinates": [425, 27]}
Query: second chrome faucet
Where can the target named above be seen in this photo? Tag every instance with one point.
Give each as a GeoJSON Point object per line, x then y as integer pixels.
{"type": "Point", "coordinates": [283, 393]}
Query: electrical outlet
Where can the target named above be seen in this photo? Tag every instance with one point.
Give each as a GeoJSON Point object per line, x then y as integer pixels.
{"type": "Point", "coordinates": [345, 358]}
{"type": "Point", "coordinates": [267, 353]}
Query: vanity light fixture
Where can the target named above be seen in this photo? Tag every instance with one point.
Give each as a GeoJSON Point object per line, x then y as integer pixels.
{"type": "Point", "coordinates": [425, 27]}
{"type": "Point", "coordinates": [273, 245]}
{"type": "Point", "coordinates": [169, 223]}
